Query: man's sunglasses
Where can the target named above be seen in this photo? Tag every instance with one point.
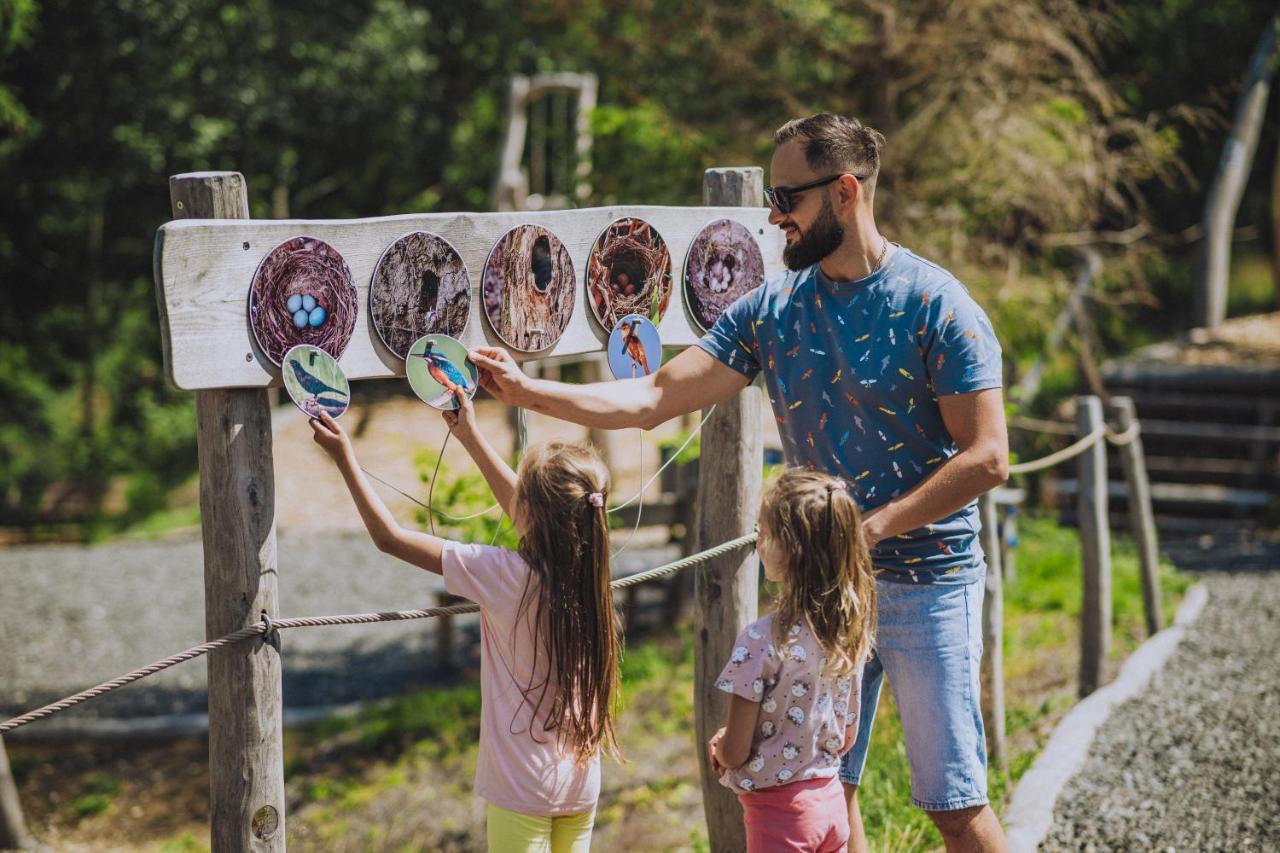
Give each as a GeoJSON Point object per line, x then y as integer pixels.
{"type": "Point", "coordinates": [783, 199]}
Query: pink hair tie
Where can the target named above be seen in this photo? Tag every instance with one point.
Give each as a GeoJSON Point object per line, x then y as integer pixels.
{"type": "Point", "coordinates": [596, 498]}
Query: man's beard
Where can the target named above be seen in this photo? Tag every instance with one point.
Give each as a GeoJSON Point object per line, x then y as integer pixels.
{"type": "Point", "coordinates": [823, 237]}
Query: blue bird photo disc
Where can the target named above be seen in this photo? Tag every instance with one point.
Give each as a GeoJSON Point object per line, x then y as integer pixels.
{"type": "Point", "coordinates": [435, 365]}
{"type": "Point", "coordinates": [635, 347]}
{"type": "Point", "coordinates": [314, 381]}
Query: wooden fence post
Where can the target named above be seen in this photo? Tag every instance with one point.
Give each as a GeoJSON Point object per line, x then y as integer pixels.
{"type": "Point", "coordinates": [993, 636]}
{"type": "Point", "coordinates": [238, 521]}
{"type": "Point", "coordinates": [1095, 546]}
{"type": "Point", "coordinates": [1142, 521]}
{"type": "Point", "coordinates": [730, 469]}
{"type": "Point", "coordinates": [13, 827]}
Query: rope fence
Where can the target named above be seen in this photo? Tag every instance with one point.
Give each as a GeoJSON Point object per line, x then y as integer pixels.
{"type": "Point", "coordinates": [269, 626]}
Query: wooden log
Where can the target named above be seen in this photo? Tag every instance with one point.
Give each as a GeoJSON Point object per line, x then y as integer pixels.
{"type": "Point", "coordinates": [446, 648]}
{"type": "Point", "coordinates": [13, 826]}
{"type": "Point", "coordinates": [729, 477]}
{"type": "Point", "coordinates": [204, 269]}
{"type": "Point", "coordinates": [237, 507]}
{"type": "Point", "coordinates": [993, 637]}
{"type": "Point", "coordinates": [1223, 201]}
{"type": "Point", "coordinates": [1095, 548]}
{"type": "Point", "coordinates": [1142, 522]}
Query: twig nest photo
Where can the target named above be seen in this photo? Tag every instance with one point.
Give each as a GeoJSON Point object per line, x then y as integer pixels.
{"type": "Point", "coordinates": [635, 347]}
{"type": "Point", "coordinates": [314, 381]}
{"type": "Point", "coordinates": [529, 288]}
{"type": "Point", "coordinates": [420, 287]}
{"type": "Point", "coordinates": [435, 366]}
{"type": "Point", "coordinates": [629, 273]}
{"type": "Point", "coordinates": [302, 293]}
{"type": "Point", "coordinates": [723, 263]}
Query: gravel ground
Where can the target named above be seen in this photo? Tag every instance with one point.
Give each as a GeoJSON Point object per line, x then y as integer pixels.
{"type": "Point", "coordinates": [1193, 763]}
{"type": "Point", "coordinates": [72, 617]}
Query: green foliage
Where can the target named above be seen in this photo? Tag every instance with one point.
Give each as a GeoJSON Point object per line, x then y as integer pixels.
{"type": "Point", "coordinates": [461, 495]}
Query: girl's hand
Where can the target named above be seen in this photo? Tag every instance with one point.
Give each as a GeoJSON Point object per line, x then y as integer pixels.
{"type": "Point", "coordinates": [462, 420]}
{"type": "Point", "coordinates": [716, 766]}
{"type": "Point", "coordinates": [332, 438]}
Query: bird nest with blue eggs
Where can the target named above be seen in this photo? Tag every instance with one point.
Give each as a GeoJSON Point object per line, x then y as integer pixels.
{"type": "Point", "coordinates": [629, 273]}
{"type": "Point", "coordinates": [302, 293]}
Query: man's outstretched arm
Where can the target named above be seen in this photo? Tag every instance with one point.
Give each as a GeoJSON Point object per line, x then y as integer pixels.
{"type": "Point", "coordinates": [691, 381]}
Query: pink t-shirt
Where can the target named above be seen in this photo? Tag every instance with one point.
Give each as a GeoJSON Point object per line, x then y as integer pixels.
{"type": "Point", "coordinates": [803, 710]}
{"type": "Point", "coordinates": [514, 771]}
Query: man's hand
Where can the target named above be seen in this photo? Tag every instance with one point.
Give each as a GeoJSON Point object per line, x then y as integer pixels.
{"type": "Point", "coordinates": [871, 531]}
{"type": "Point", "coordinates": [499, 374]}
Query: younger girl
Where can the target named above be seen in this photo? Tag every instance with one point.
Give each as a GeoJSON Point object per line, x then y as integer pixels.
{"type": "Point", "coordinates": [795, 673]}
{"type": "Point", "coordinates": [549, 638]}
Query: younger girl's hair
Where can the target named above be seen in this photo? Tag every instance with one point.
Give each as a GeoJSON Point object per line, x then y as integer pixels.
{"type": "Point", "coordinates": [561, 491]}
{"type": "Point", "coordinates": [829, 582]}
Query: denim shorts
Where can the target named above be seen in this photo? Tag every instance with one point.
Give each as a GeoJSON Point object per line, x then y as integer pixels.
{"type": "Point", "coordinates": [929, 644]}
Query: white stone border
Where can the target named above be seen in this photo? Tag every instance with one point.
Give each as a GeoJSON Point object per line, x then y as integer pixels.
{"type": "Point", "coordinates": [1030, 813]}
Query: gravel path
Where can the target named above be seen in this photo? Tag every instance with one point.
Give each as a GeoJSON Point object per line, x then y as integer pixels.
{"type": "Point", "coordinates": [72, 617]}
{"type": "Point", "coordinates": [1193, 763]}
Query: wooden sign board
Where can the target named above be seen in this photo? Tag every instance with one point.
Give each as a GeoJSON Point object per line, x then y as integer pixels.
{"type": "Point", "coordinates": [203, 269]}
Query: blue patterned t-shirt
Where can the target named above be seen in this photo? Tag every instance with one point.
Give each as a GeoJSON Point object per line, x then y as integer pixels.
{"type": "Point", "coordinates": [853, 371]}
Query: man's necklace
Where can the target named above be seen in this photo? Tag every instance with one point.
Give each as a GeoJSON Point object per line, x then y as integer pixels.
{"type": "Point", "coordinates": [880, 260]}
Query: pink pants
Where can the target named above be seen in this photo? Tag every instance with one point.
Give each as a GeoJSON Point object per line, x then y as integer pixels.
{"type": "Point", "coordinates": [809, 816]}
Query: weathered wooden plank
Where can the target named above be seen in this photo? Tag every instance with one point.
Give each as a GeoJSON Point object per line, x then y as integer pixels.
{"type": "Point", "coordinates": [1095, 549]}
{"type": "Point", "coordinates": [730, 470]}
{"type": "Point", "coordinates": [237, 510]}
{"type": "Point", "coordinates": [203, 270]}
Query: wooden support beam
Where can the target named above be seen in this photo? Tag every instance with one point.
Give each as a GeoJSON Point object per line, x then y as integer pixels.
{"type": "Point", "coordinates": [237, 508]}
{"type": "Point", "coordinates": [1142, 522]}
{"type": "Point", "coordinates": [13, 826]}
{"type": "Point", "coordinates": [730, 469]}
{"type": "Point", "coordinates": [993, 637]}
{"type": "Point", "coordinates": [1095, 548]}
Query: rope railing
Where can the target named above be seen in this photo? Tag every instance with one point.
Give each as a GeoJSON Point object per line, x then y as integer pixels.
{"type": "Point", "coordinates": [269, 626]}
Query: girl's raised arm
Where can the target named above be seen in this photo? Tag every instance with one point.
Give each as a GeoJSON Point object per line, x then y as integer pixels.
{"type": "Point", "coordinates": [420, 549]}
{"type": "Point", "coordinates": [497, 473]}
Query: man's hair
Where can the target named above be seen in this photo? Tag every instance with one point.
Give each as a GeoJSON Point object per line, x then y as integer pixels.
{"type": "Point", "coordinates": [836, 144]}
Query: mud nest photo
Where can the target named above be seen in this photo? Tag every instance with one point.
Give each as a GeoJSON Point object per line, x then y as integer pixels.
{"type": "Point", "coordinates": [302, 293]}
{"type": "Point", "coordinates": [529, 288]}
{"type": "Point", "coordinates": [724, 262]}
{"type": "Point", "coordinates": [420, 287]}
{"type": "Point", "coordinates": [629, 273]}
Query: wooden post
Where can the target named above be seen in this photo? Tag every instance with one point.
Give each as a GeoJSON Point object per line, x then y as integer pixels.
{"type": "Point", "coordinates": [13, 827]}
{"type": "Point", "coordinates": [445, 648]}
{"type": "Point", "coordinates": [1223, 201]}
{"type": "Point", "coordinates": [238, 521]}
{"type": "Point", "coordinates": [1142, 520]}
{"type": "Point", "coordinates": [1095, 547]}
{"type": "Point", "coordinates": [993, 637]}
{"type": "Point", "coordinates": [729, 474]}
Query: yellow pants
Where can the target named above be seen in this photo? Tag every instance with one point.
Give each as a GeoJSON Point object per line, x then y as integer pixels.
{"type": "Point", "coordinates": [513, 832]}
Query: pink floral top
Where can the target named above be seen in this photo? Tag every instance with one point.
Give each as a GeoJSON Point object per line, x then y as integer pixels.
{"type": "Point", "coordinates": [803, 711]}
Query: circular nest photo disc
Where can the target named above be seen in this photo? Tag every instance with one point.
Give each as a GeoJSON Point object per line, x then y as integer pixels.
{"type": "Point", "coordinates": [723, 263]}
{"type": "Point", "coordinates": [314, 381]}
{"type": "Point", "coordinates": [420, 287]}
{"type": "Point", "coordinates": [629, 272]}
{"type": "Point", "coordinates": [635, 347]}
{"type": "Point", "coordinates": [528, 288]}
{"type": "Point", "coordinates": [435, 365]}
{"type": "Point", "coordinates": [302, 293]}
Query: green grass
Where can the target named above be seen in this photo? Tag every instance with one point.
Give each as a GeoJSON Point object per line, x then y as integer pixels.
{"type": "Point", "coordinates": [1251, 288]}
